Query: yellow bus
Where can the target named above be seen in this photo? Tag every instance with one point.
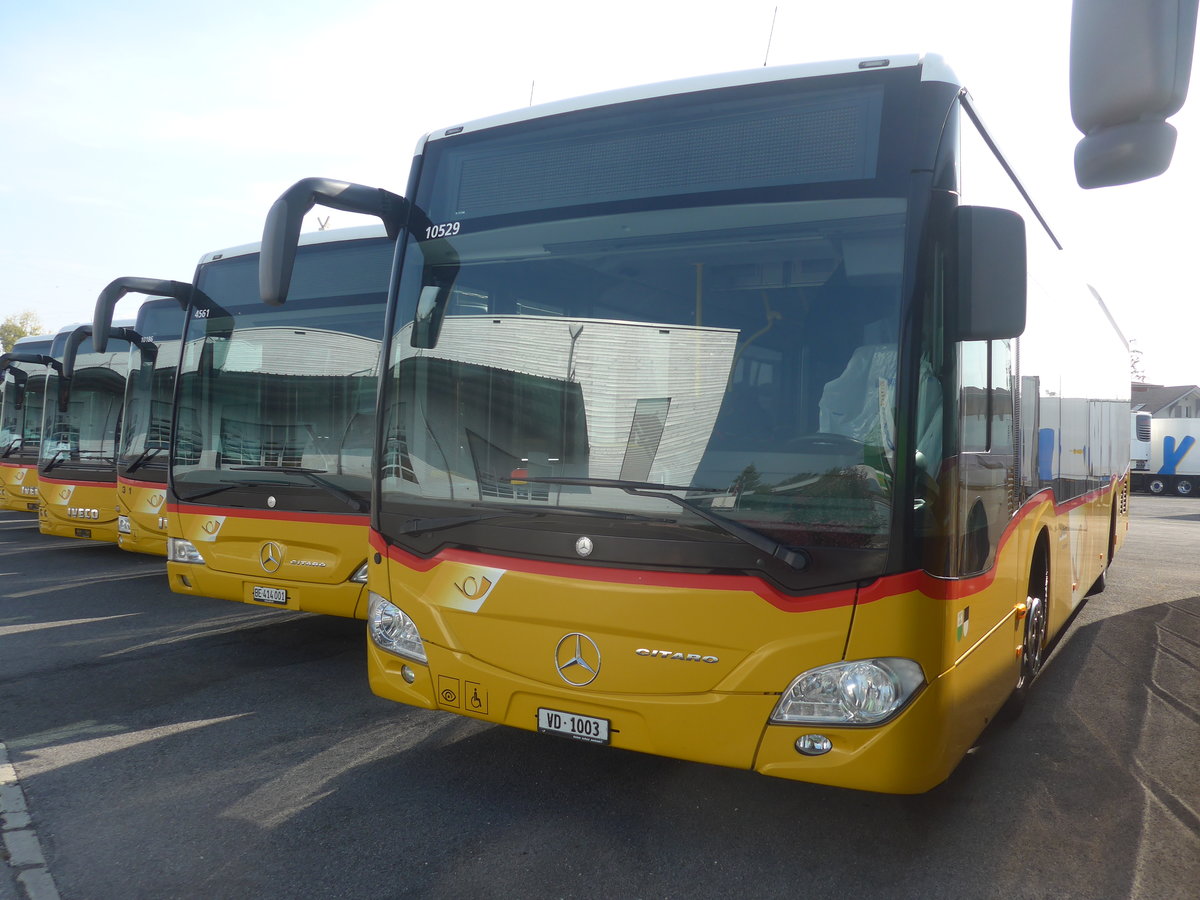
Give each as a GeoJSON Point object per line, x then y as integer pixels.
{"type": "Point", "coordinates": [270, 468]}
{"type": "Point", "coordinates": [81, 424]}
{"type": "Point", "coordinates": [751, 419]}
{"type": "Point", "coordinates": [23, 370]}
{"type": "Point", "coordinates": [146, 419]}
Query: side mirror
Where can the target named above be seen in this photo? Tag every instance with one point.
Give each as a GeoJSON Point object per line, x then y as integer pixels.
{"type": "Point", "coordinates": [1130, 66]}
{"type": "Point", "coordinates": [70, 351]}
{"type": "Point", "coordinates": [118, 288]}
{"type": "Point", "coordinates": [431, 309]}
{"type": "Point", "coordinates": [281, 232]}
{"type": "Point", "coordinates": [991, 283]}
{"type": "Point", "coordinates": [19, 377]}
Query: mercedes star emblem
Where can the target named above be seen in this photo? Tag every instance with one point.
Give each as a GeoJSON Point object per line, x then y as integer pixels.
{"type": "Point", "coordinates": [270, 557]}
{"type": "Point", "coordinates": [577, 659]}
{"type": "Point", "coordinates": [583, 546]}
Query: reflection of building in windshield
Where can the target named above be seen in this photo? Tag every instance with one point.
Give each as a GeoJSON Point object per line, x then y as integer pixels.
{"type": "Point", "coordinates": [89, 429]}
{"type": "Point", "coordinates": [569, 397]}
{"type": "Point", "coordinates": [148, 409]}
{"type": "Point", "coordinates": [283, 396]}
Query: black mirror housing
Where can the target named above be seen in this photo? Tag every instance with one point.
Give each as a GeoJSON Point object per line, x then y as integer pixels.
{"type": "Point", "coordinates": [1124, 154]}
{"type": "Point", "coordinates": [102, 316]}
{"type": "Point", "coordinates": [1130, 67]}
{"type": "Point", "coordinates": [992, 273]}
{"type": "Point", "coordinates": [281, 232]}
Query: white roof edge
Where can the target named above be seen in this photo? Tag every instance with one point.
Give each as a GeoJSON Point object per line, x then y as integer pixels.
{"type": "Point", "coordinates": [116, 323]}
{"type": "Point", "coordinates": [34, 337]}
{"type": "Point", "coordinates": [354, 233]}
{"type": "Point", "coordinates": [933, 66]}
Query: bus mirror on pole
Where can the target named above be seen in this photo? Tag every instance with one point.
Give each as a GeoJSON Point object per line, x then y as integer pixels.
{"type": "Point", "coordinates": [281, 233]}
{"type": "Point", "coordinates": [118, 288]}
{"type": "Point", "coordinates": [19, 376]}
{"type": "Point", "coordinates": [991, 274]}
{"type": "Point", "coordinates": [70, 351]}
{"type": "Point", "coordinates": [1130, 65]}
{"type": "Point", "coordinates": [427, 324]}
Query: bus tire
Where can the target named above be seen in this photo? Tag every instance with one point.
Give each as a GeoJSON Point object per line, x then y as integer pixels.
{"type": "Point", "coordinates": [1156, 485]}
{"type": "Point", "coordinates": [1183, 487]}
{"type": "Point", "coordinates": [1033, 647]}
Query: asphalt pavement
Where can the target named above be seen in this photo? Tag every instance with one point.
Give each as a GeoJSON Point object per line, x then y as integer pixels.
{"type": "Point", "coordinates": [173, 746]}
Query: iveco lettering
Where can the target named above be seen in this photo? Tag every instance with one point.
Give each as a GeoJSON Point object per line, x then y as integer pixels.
{"type": "Point", "coordinates": [752, 386]}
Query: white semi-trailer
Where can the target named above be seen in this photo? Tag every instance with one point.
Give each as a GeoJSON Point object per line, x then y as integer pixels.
{"type": "Point", "coordinates": [1174, 458]}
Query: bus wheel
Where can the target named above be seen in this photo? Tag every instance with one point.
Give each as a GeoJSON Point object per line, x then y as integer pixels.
{"type": "Point", "coordinates": [1033, 648]}
{"type": "Point", "coordinates": [1183, 487]}
{"type": "Point", "coordinates": [1156, 486]}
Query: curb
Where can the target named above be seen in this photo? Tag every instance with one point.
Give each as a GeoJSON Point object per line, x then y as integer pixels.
{"type": "Point", "coordinates": [22, 849]}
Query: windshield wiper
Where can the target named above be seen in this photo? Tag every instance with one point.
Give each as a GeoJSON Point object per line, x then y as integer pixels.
{"type": "Point", "coordinates": [144, 457]}
{"type": "Point", "coordinates": [11, 449]}
{"type": "Point", "coordinates": [314, 476]}
{"type": "Point", "coordinates": [795, 557]}
{"type": "Point", "coordinates": [228, 486]}
{"type": "Point", "coordinates": [54, 459]}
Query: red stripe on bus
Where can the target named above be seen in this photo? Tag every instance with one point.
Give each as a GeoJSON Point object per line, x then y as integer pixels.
{"type": "Point", "coordinates": [270, 515]}
{"type": "Point", "coordinates": [121, 479]}
{"type": "Point", "coordinates": [917, 581]}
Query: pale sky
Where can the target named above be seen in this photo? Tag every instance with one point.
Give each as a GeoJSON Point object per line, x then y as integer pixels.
{"type": "Point", "coordinates": [136, 136]}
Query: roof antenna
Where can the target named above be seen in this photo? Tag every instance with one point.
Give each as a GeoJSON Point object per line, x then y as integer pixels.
{"type": "Point", "coordinates": [770, 36]}
{"type": "Point", "coordinates": [531, 84]}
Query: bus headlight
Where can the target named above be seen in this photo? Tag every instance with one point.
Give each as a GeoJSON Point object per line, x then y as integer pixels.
{"type": "Point", "coordinates": [181, 551]}
{"type": "Point", "coordinates": [123, 525]}
{"type": "Point", "coordinates": [360, 575]}
{"type": "Point", "coordinates": [858, 692]}
{"type": "Point", "coordinates": [392, 630]}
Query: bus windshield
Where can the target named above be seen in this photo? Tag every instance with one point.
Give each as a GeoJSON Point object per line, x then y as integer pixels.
{"type": "Point", "coordinates": [84, 437]}
{"type": "Point", "coordinates": [745, 354]}
{"type": "Point", "coordinates": [21, 429]}
{"type": "Point", "coordinates": [146, 430]}
{"type": "Point", "coordinates": [279, 401]}
{"type": "Point", "coordinates": [699, 293]}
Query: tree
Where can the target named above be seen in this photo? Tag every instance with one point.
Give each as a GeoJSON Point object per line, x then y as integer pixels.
{"type": "Point", "coordinates": [15, 327]}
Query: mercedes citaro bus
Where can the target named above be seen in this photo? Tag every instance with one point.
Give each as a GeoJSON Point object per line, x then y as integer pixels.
{"type": "Point", "coordinates": [23, 371]}
{"type": "Point", "coordinates": [751, 419]}
{"type": "Point", "coordinates": [270, 466]}
{"type": "Point", "coordinates": [146, 420]}
{"type": "Point", "coordinates": [81, 428]}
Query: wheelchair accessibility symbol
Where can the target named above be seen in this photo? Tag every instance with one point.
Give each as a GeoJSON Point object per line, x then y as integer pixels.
{"type": "Point", "coordinates": [476, 698]}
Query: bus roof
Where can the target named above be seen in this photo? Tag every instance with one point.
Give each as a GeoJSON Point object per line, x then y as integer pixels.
{"type": "Point", "coordinates": [355, 233]}
{"type": "Point", "coordinates": [117, 323]}
{"type": "Point", "coordinates": [933, 68]}
{"type": "Point", "coordinates": [32, 338]}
